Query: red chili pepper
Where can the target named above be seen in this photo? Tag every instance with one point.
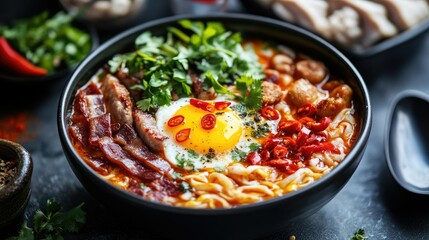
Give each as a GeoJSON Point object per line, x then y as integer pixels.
{"type": "Point", "coordinates": [292, 168]}
{"type": "Point", "coordinates": [321, 125]}
{"type": "Point", "coordinates": [183, 135]}
{"type": "Point", "coordinates": [321, 147]}
{"type": "Point", "coordinates": [306, 110]}
{"type": "Point", "coordinates": [222, 105]}
{"type": "Point", "coordinates": [279, 162]}
{"type": "Point", "coordinates": [289, 126]}
{"type": "Point", "coordinates": [265, 155]}
{"type": "Point", "coordinates": [176, 121]}
{"type": "Point", "coordinates": [270, 113]}
{"type": "Point", "coordinates": [201, 104]}
{"type": "Point", "coordinates": [279, 151]}
{"type": "Point", "coordinates": [13, 61]}
{"type": "Point", "coordinates": [302, 137]}
{"type": "Point", "coordinates": [253, 158]}
{"type": "Point", "coordinates": [208, 121]}
{"type": "Point", "coordinates": [271, 143]}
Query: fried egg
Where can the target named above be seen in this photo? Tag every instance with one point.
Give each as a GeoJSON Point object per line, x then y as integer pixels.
{"type": "Point", "coordinates": [192, 145]}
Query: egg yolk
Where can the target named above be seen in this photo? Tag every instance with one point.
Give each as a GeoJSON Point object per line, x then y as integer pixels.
{"type": "Point", "coordinates": [223, 136]}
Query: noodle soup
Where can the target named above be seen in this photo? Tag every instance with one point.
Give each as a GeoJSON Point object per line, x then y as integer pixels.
{"type": "Point", "coordinates": [203, 118]}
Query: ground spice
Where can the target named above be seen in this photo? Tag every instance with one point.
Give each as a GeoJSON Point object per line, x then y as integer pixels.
{"type": "Point", "coordinates": [7, 171]}
{"type": "Point", "coordinates": [14, 127]}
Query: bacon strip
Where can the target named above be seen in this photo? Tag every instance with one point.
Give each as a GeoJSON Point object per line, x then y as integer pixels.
{"type": "Point", "coordinates": [94, 106]}
{"type": "Point", "coordinates": [133, 145]}
{"type": "Point", "coordinates": [99, 127]}
{"type": "Point", "coordinates": [115, 154]}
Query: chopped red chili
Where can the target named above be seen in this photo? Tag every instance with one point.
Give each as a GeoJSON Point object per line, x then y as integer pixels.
{"type": "Point", "coordinates": [321, 125]}
{"type": "Point", "coordinates": [280, 151]}
{"type": "Point", "coordinates": [270, 113]}
{"type": "Point", "coordinates": [201, 104]}
{"type": "Point", "coordinates": [306, 110]}
{"type": "Point", "coordinates": [221, 105]}
{"type": "Point", "coordinates": [176, 121]}
{"type": "Point", "coordinates": [208, 121]}
{"type": "Point", "coordinates": [183, 135]}
{"type": "Point", "coordinates": [254, 158]}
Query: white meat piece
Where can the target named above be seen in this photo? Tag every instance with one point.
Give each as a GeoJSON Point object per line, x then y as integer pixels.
{"type": "Point", "coordinates": [406, 13]}
{"type": "Point", "coordinates": [311, 14]}
{"type": "Point", "coordinates": [374, 21]}
{"type": "Point", "coordinates": [345, 26]}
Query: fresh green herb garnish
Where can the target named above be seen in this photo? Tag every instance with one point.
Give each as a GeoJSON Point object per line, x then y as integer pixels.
{"type": "Point", "coordinates": [207, 51]}
{"type": "Point", "coordinates": [261, 130]}
{"type": "Point", "coordinates": [48, 42]}
{"type": "Point", "coordinates": [185, 162]}
{"type": "Point", "coordinates": [359, 235]}
{"type": "Point", "coordinates": [238, 155]}
{"type": "Point", "coordinates": [254, 147]}
{"type": "Point", "coordinates": [51, 223]}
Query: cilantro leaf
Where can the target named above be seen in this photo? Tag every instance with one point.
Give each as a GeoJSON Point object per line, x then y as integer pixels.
{"type": "Point", "coordinates": [359, 235]}
{"type": "Point", "coordinates": [51, 223]}
{"type": "Point", "coordinates": [192, 47]}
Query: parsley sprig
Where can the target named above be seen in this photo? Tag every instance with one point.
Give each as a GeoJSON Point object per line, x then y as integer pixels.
{"type": "Point", "coordinates": [359, 235]}
{"type": "Point", "coordinates": [206, 49]}
{"type": "Point", "coordinates": [51, 223]}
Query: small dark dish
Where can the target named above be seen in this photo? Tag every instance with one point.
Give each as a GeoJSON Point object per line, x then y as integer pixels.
{"type": "Point", "coordinates": [243, 222]}
{"type": "Point", "coordinates": [13, 78]}
{"type": "Point", "coordinates": [14, 195]}
{"type": "Point", "coordinates": [407, 140]}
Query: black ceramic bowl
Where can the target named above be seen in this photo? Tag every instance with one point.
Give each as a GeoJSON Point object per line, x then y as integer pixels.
{"type": "Point", "coordinates": [243, 222]}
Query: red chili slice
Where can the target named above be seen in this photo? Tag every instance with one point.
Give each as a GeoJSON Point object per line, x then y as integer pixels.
{"type": "Point", "coordinates": [222, 105]}
{"type": "Point", "coordinates": [279, 151]}
{"type": "Point", "coordinates": [321, 125]}
{"type": "Point", "coordinates": [253, 158]}
{"type": "Point", "coordinates": [201, 104]}
{"type": "Point", "coordinates": [306, 110]}
{"type": "Point", "coordinates": [270, 113]}
{"type": "Point", "coordinates": [183, 135]}
{"type": "Point", "coordinates": [176, 121]}
{"type": "Point", "coordinates": [208, 121]}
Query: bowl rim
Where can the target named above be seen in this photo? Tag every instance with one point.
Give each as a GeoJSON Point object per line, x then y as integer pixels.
{"type": "Point", "coordinates": [222, 17]}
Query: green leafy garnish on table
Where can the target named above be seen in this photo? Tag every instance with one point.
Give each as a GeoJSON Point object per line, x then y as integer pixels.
{"type": "Point", "coordinates": [359, 235]}
{"type": "Point", "coordinates": [208, 50]}
{"type": "Point", "coordinates": [51, 223]}
{"type": "Point", "coordinates": [49, 42]}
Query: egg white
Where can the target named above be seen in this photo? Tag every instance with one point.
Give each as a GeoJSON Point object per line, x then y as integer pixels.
{"type": "Point", "coordinates": [189, 159]}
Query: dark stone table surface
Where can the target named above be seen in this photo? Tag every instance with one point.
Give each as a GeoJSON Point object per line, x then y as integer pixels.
{"type": "Point", "coordinates": [371, 200]}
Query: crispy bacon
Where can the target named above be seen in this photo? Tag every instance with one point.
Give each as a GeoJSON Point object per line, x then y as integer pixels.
{"type": "Point", "coordinates": [94, 106]}
{"type": "Point", "coordinates": [133, 145]}
{"type": "Point", "coordinates": [99, 127]}
{"type": "Point", "coordinates": [115, 154]}
{"type": "Point", "coordinates": [90, 89]}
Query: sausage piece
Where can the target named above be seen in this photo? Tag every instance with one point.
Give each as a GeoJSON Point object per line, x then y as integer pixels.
{"type": "Point", "coordinates": [118, 100]}
{"type": "Point", "coordinates": [272, 93]}
{"type": "Point", "coordinates": [302, 92]}
{"type": "Point", "coordinates": [146, 128]}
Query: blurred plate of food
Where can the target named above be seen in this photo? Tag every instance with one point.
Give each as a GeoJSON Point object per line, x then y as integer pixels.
{"type": "Point", "coordinates": [120, 14]}
{"type": "Point", "coordinates": [44, 46]}
{"type": "Point", "coordinates": [360, 28]}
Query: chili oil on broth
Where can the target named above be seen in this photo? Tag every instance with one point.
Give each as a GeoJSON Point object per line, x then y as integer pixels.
{"type": "Point", "coordinates": [290, 156]}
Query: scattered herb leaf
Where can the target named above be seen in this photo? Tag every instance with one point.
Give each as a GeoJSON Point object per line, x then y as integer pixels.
{"type": "Point", "coordinates": [51, 223]}
{"type": "Point", "coordinates": [359, 235]}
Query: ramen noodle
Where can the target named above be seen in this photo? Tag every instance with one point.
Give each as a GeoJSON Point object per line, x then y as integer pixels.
{"type": "Point", "coordinates": [212, 121]}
